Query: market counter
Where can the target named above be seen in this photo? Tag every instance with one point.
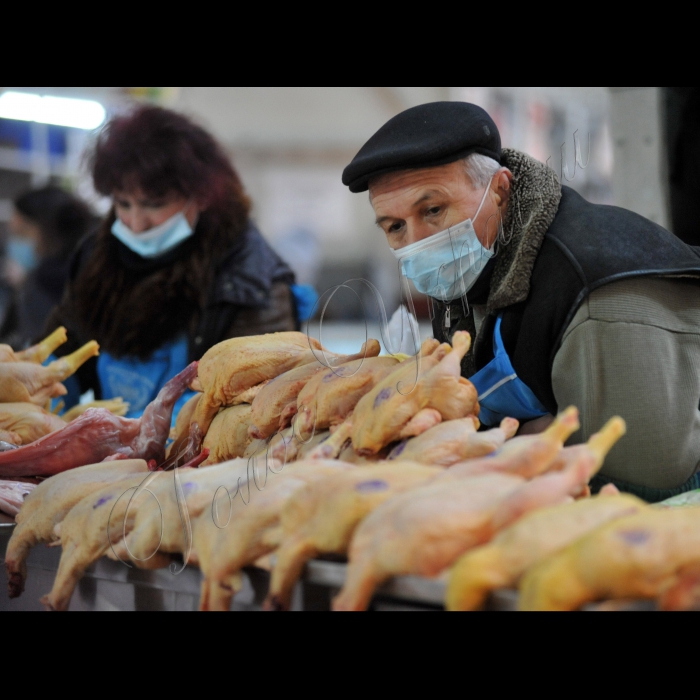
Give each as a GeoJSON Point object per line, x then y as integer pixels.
{"type": "Point", "coordinates": [110, 586]}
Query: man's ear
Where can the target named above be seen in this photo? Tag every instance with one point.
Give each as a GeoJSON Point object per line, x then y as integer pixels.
{"type": "Point", "coordinates": [502, 185]}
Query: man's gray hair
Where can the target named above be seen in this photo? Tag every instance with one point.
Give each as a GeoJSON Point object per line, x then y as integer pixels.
{"type": "Point", "coordinates": [480, 169]}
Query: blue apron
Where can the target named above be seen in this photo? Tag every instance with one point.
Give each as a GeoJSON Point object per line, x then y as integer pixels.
{"type": "Point", "coordinates": [501, 393]}
{"type": "Point", "coordinates": [139, 382]}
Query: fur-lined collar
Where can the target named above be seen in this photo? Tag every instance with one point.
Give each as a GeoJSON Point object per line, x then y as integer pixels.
{"type": "Point", "coordinates": [535, 197]}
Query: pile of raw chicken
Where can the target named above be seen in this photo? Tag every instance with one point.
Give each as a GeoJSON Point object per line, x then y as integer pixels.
{"type": "Point", "coordinates": [289, 453]}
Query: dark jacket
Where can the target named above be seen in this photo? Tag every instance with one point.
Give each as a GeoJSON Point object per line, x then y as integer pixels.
{"type": "Point", "coordinates": [539, 281]}
{"type": "Point", "coordinates": [250, 294]}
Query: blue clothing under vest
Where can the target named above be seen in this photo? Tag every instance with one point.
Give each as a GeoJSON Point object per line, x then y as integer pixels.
{"type": "Point", "coordinates": [501, 393]}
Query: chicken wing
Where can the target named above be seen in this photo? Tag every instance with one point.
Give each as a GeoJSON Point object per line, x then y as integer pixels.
{"type": "Point", "coordinates": [49, 504]}
{"type": "Point", "coordinates": [322, 518]}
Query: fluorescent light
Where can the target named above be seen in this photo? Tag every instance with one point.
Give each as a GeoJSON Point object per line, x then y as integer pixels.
{"type": "Point", "coordinates": [61, 111]}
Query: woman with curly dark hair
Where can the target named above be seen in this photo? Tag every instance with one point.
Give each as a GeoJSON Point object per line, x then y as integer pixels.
{"type": "Point", "coordinates": [176, 267]}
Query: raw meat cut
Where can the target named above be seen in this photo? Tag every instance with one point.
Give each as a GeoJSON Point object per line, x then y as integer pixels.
{"type": "Point", "coordinates": [98, 435]}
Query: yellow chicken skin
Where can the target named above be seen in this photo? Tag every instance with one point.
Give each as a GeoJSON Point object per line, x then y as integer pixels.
{"type": "Point", "coordinates": [245, 531]}
{"type": "Point", "coordinates": [37, 354]}
{"type": "Point", "coordinates": [236, 366]}
{"type": "Point", "coordinates": [99, 522]}
{"type": "Point", "coordinates": [31, 423]}
{"type": "Point", "coordinates": [402, 406]}
{"type": "Point", "coordinates": [164, 528]}
{"type": "Point", "coordinates": [50, 503]}
{"type": "Point", "coordinates": [503, 563]}
{"type": "Point", "coordinates": [425, 531]}
{"type": "Point", "coordinates": [28, 421]}
{"type": "Point", "coordinates": [455, 441]}
{"type": "Point", "coordinates": [321, 518]}
{"type": "Point", "coordinates": [26, 382]}
{"type": "Point", "coordinates": [328, 399]}
{"type": "Point", "coordinates": [228, 437]}
{"type": "Point", "coordinates": [276, 404]}
{"type": "Point", "coordinates": [642, 557]}
{"type": "Point", "coordinates": [181, 432]}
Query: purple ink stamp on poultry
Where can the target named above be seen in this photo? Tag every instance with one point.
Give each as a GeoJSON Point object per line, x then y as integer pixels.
{"type": "Point", "coordinates": [636, 539]}
{"type": "Point", "coordinates": [372, 487]}
{"type": "Point", "coordinates": [383, 396]}
{"type": "Point", "coordinates": [398, 451]}
{"type": "Point", "coordinates": [103, 501]}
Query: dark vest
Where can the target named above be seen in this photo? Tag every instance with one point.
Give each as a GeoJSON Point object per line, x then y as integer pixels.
{"type": "Point", "coordinates": [587, 247]}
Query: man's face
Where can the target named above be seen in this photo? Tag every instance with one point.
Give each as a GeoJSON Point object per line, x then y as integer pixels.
{"type": "Point", "coordinates": [415, 204]}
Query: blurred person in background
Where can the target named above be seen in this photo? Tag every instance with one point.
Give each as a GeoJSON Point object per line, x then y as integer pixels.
{"type": "Point", "coordinates": [45, 229]}
{"type": "Point", "coordinates": [176, 267]}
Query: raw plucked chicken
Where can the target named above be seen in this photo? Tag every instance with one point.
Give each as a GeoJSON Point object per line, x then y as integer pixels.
{"type": "Point", "coordinates": [276, 404]}
{"type": "Point", "coordinates": [424, 532]}
{"type": "Point", "coordinates": [99, 435]}
{"type": "Point", "coordinates": [27, 382]}
{"type": "Point", "coordinates": [37, 354]}
{"type": "Point", "coordinates": [649, 556]}
{"type": "Point", "coordinates": [50, 503]}
{"type": "Point", "coordinates": [228, 436]}
{"type": "Point", "coordinates": [245, 531]}
{"type": "Point", "coordinates": [328, 399]}
{"type": "Point", "coordinates": [31, 423]}
{"type": "Point", "coordinates": [181, 432]}
{"type": "Point", "coordinates": [99, 522]}
{"type": "Point", "coordinates": [164, 528]}
{"type": "Point", "coordinates": [455, 441]}
{"type": "Point", "coordinates": [404, 405]}
{"type": "Point", "coordinates": [321, 518]}
{"type": "Point", "coordinates": [12, 496]}
{"type": "Point", "coordinates": [503, 563]}
{"type": "Point", "coordinates": [236, 366]}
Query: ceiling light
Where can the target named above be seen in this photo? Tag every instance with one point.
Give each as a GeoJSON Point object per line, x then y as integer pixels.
{"type": "Point", "coordinates": [61, 111]}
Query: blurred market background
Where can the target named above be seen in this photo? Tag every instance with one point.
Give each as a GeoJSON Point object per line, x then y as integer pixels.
{"type": "Point", "coordinates": [290, 145]}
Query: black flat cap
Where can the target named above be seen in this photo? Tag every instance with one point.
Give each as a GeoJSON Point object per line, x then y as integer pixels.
{"type": "Point", "coordinates": [427, 136]}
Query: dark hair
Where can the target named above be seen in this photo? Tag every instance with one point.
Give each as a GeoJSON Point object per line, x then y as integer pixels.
{"type": "Point", "coordinates": [160, 152]}
{"type": "Point", "coordinates": [133, 310]}
{"type": "Point", "coordinates": [62, 218]}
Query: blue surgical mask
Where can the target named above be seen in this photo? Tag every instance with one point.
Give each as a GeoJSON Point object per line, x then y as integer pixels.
{"type": "Point", "coordinates": [159, 240]}
{"type": "Point", "coordinates": [22, 252]}
{"type": "Point", "coordinates": [447, 265]}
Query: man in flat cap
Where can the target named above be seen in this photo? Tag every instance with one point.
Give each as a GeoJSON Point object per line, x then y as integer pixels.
{"type": "Point", "coordinates": [569, 303]}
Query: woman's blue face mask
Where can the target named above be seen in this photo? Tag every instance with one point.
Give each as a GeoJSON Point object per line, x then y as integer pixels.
{"type": "Point", "coordinates": [157, 241]}
{"type": "Point", "coordinates": [447, 265]}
